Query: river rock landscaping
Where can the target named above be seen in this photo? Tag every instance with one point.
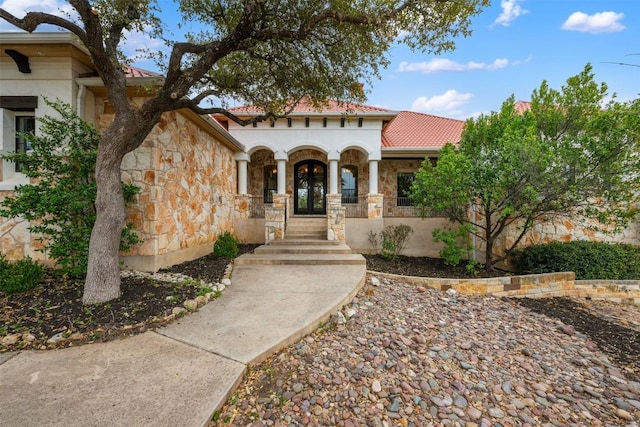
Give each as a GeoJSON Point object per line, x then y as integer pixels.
{"type": "Point", "coordinates": [402, 355]}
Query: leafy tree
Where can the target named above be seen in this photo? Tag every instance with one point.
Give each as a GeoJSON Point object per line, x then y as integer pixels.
{"type": "Point", "coordinates": [572, 154]}
{"type": "Point", "coordinates": [59, 203]}
{"type": "Point", "coordinates": [259, 52]}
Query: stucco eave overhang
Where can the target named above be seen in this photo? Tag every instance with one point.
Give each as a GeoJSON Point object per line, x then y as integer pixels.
{"type": "Point", "coordinates": [144, 86]}
{"type": "Point", "coordinates": [46, 44]}
{"type": "Point", "coordinates": [409, 152]}
{"type": "Point", "coordinates": [382, 115]}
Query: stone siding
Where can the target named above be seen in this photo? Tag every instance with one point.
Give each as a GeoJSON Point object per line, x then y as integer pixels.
{"type": "Point", "coordinates": [16, 242]}
{"type": "Point", "coordinates": [188, 182]}
{"type": "Point", "coordinates": [388, 174]}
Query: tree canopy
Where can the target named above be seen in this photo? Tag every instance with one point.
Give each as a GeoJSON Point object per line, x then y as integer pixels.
{"type": "Point", "coordinates": [261, 52]}
{"type": "Point", "coordinates": [574, 153]}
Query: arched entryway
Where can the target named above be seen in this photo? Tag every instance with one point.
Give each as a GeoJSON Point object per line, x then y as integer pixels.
{"type": "Point", "coordinates": [310, 183]}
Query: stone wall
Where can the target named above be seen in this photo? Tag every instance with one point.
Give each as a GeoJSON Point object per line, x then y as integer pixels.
{"type": "Point", "coordinates": [532, 286]}
{"type": "Point", "coordinates": [188, 182]}
{"type": "Point", "coordinates": [388, 174]}
{"type": "Point", "coordinates": [16, 242]}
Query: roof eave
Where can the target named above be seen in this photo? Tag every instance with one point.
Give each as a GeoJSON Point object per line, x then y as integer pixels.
{"type": "Point", "coordinates": [412, 152]}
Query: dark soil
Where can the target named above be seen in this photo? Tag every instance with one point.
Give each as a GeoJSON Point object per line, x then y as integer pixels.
{"type": "Point", "coordinates": [56, 307]}
{"type": "Point", "coordinates": [426, 267]}
{"type": "Point", "coordinates": [617, 341]}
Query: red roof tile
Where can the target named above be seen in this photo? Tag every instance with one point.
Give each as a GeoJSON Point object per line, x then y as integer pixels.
{"type": "Point", "coordinates": [139, 72]}
{"type": "Point", "coordinates": [522, 106]}
{"type": "Point", "coordinates": [332, 106]}
{"type": "Point", "coordinates": [415, 130]}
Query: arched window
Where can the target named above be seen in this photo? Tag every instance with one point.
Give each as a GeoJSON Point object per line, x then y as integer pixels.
{"type": "Point", "coordinates": [270, 183]}
{"type": "Point", "coordinates": [349, 178]}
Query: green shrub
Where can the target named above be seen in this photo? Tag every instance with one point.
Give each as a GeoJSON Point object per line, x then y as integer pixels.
{"type": "Point", "coordinates": [59, 202]}
{"type": "Point", "coordinates": [457, 245]}
{"type": "Point", "coordinates": [589, 260]}
{"type": "Point", "coordinates": [19, 276]}
{"type": "Point", "coordinates": [394, 239]}
{"type": "Point", "coordinates": [226, 246]}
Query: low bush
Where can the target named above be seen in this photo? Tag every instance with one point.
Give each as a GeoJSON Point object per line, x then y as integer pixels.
{"type": "Point", "coordinates": [394, 239]}
{"type": "Point", "coordinates": [226, 246]}
{"type": "Point", "coordinates": [19, 276]}
{"type": "Point", "coordinates": [589, 260]}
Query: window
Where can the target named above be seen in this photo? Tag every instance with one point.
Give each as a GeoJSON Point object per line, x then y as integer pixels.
{"type": "Point", "coordinates": [349, 184]}
{"type": "Point", "coordinates": [270, 183]}
{"type": "Point", "coordinates": [24, 124]}
{"type": "Point", "coordinates": [405, 180]}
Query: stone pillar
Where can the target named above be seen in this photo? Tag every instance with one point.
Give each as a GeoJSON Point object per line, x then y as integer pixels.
{"type": "Point", "coordinates": [275, 218]}
{"type": "Point", "coordinates": [336, 218]}
{"type": "Point", "coordinates": [375, 205]}
{"type": "Point", "coordinates": [373, 177]}
{"type": "Point", "coordinates": [242, 206]}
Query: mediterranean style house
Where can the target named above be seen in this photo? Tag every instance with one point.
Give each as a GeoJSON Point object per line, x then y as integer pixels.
{"type": "Point", "coordinates": [341, 173]}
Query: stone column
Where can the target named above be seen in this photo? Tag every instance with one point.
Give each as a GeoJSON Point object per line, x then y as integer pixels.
{"type": "Point", "coordinates": [336, 218]}
{"type": "Point", "coordinates": [375, 204]}
{"type": "Point", "coordinates": [242, 206]}
{"type": "Point", "coordinates": [282, 176]}
{"type": "Point", "coordinates": [275, 218]}
{"type": "Point", "coordinates": [333, 176]}
{"type": "Point", "coordinates": [373, 176]}
{"type": "Point", "coordinates": [242, 159]}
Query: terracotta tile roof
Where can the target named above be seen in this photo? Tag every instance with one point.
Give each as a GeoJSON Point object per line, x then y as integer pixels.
{"type": "Point", "coordinates": [139, 72]}
{"type": "Point", "coordinates": [522, 106]}
{"type": "Point", "coordinates": [415, 130]}
{"type": "Point", "coordinates": [332, 107]}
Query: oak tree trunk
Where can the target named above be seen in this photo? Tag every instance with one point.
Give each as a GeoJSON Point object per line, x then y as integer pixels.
{"type": "Point", "coordinates": [102, 283]}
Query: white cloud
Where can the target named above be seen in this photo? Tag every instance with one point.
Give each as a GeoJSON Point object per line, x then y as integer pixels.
{"type": "Point", "coordinates": [438, 65]}
{"type": "Point", "coordinates": [20, 7]}
{"type": "Point", "coordinates": [136, 43]}
{"type": "Point", "coordinates": [601, 22]}
{"type": "Point", "coordinates": [447, 103]}
{"type": "Point", "coordinates": [511, 9]}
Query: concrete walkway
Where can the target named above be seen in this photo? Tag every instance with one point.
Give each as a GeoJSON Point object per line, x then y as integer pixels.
{"type": "Point", "coordinates": [179, 375]}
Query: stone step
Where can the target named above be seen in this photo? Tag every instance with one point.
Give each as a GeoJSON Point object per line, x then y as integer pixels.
{"type": "Point", "coordinates": [306, 242]}
{"type": "Point", "coordinates": [300, 247]}
{"type": "Point", "coordinates": [300, 259]}
{"type": "Point", "coordinates": [306, 235]}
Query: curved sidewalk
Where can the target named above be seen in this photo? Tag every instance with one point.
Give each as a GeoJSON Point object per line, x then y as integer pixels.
{"type": "Point", "coordinates": [179, 375]}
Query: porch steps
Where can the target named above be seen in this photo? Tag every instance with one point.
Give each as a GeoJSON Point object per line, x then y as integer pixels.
{"type": "Point", "coordinates": [302, 252]}
{"type": "Point", "coordinates": [306, 228]}
{"type": "Point", "coordinates": [304, 247]}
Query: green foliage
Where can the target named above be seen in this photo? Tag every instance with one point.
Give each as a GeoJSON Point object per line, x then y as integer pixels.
{"type": "Point", "coordinates": [457, 245]}
{"type": "Point", "coordinates": [394, 239]}
{"type": "Point", "coordinates": [566, 156]}
{"type": "Point", "coordinates": [589, 260]}
{"type": "Point", "coordinates": [59, 202]}
{"type": "Point", "coordinates": [226, 246]}
{"type": "Point", "coordinates": [19, 276]}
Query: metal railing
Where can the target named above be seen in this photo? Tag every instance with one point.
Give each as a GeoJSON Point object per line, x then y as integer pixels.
{"type": "Point", "coordinates": [355, 207]}
{"type": "Point", "coordinates": [399, 207]}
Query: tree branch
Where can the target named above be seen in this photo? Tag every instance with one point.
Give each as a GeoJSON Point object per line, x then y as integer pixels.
{"type": "Point", "coordinates": [32, 20]}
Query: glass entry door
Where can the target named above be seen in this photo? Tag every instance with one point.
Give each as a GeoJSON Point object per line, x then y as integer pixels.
{"type": "Point", "coordinates": [310, 178]}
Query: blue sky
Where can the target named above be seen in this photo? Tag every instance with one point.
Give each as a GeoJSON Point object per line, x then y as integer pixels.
{"type": "Point", "coordinates": [515, 45]}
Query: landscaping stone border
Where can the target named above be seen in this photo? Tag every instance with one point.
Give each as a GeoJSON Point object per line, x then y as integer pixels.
{"type": "Point", "coordinates": [532, 286]}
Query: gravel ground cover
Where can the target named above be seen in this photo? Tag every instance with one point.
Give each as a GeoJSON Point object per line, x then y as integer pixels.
{"type": "Point", "coordinates": [409, 356]}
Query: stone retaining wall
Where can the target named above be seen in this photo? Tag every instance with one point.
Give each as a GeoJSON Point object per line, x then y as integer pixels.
{"type": "Point", "coordinates": [532, 286]}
